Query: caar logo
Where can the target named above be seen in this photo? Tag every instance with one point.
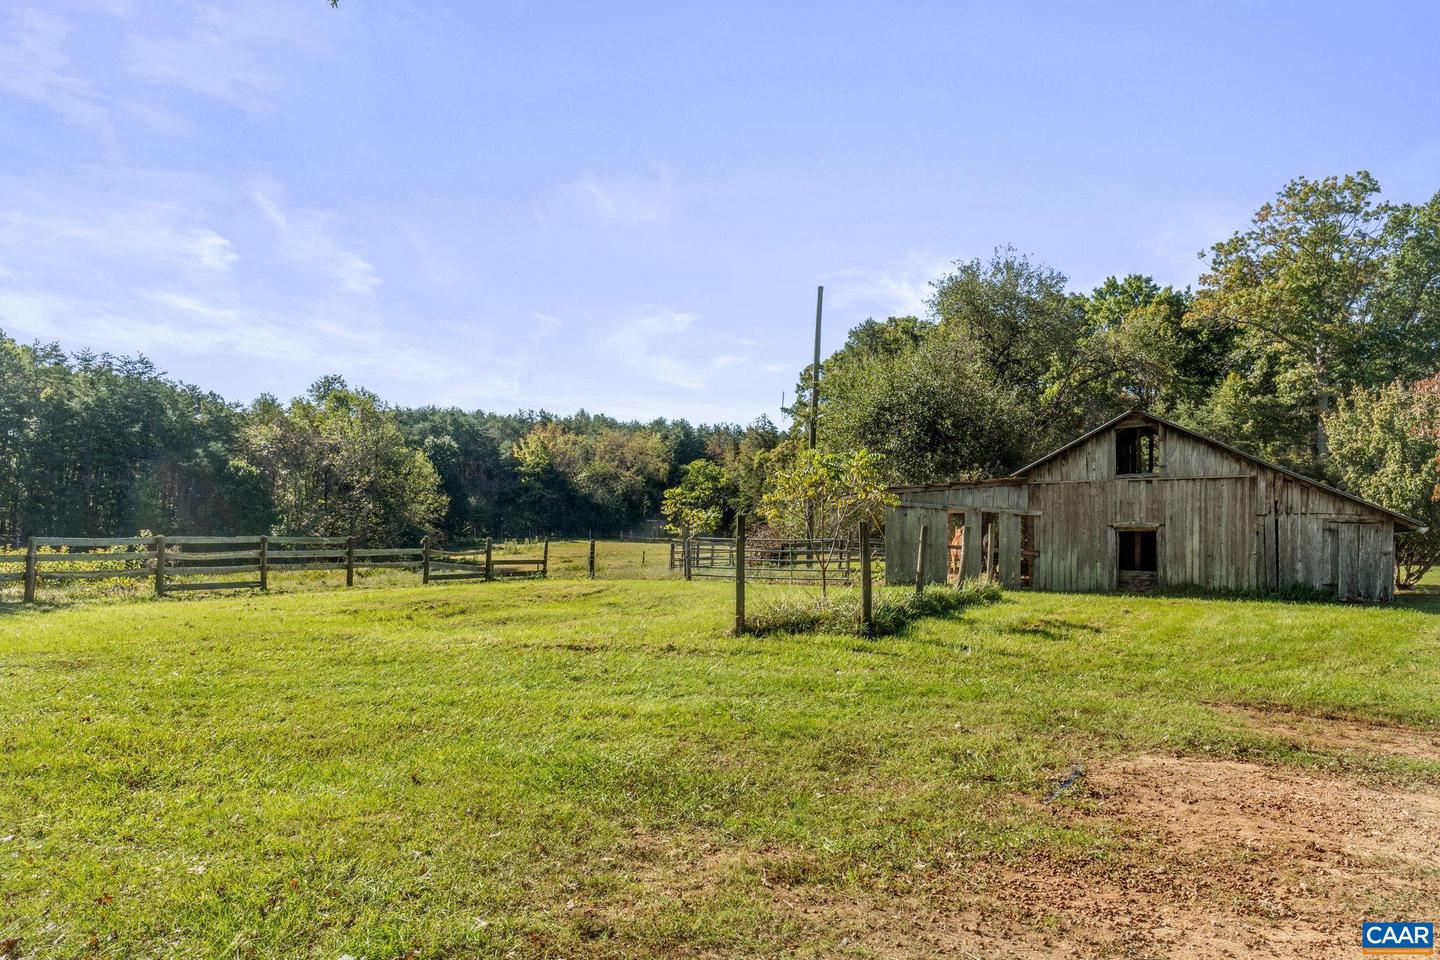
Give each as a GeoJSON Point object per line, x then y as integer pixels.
{"type": "Point", "coordinates": [1411, 938]}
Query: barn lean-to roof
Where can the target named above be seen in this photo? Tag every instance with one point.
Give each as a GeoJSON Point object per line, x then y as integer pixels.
{"type": "Point", "coordinates": [1401, 520]}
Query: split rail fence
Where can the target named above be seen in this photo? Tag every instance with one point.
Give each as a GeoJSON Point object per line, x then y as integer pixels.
{"type": "Point", "coordinates": [173, 563]}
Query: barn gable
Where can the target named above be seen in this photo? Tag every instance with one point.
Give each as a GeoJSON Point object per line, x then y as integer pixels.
{"type": "Point", "coordinates": [1141, 502]}
{"type": "Point", "coordinates": [1182, 453]}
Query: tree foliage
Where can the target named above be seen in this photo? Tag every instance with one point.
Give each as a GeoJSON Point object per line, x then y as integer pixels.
{"type": "Point", "coordinates": [826, 496]}
{"type": "Point", "coordinates": [702, 502]}
{"type": "Point", "coordinates": [1007, 366]}
{"type": "Point", "coordinates": [1327, 289]}
{"type": "Point", "coordinates": [609, 472]}
{"type": "Point", "coordinates": [1385, 446]}
{"type": "Point", "coordinates": [336, 464]}
{"type": "Point", "coordinates": [93, 444]}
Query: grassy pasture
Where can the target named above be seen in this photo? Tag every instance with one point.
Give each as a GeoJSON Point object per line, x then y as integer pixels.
{"type": "Point", "coordinates": [569, 768]}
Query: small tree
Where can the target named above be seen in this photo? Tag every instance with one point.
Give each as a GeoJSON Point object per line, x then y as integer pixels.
{"type": "Point", "coordinates": [701, 502]}
{"type": "Point", "coordinates": [833, 491]}
{"type": "Point", "coordinates": [1385, 446]}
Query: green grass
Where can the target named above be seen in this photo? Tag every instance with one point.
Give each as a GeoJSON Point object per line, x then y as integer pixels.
{"type": "Point", "coordinates": [569, 768]}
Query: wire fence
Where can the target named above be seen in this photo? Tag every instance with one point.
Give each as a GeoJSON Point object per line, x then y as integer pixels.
{"type": "Point", "coordinates": [773, 559]}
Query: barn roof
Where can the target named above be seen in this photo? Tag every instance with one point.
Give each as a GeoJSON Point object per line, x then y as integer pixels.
{"type": "Point", "coordinates": [1401, 520]}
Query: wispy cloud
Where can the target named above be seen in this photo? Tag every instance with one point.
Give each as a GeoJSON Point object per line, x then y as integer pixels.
{"type": "Point", "coordinates": [221, 52]}
{"type": "Point", "coordinates": [159, 278]}
{"type": "Point", "coordinates": [616, 200]}
{"type": "Point", "coordinates": [673, 348]}
{"type": "Point", "coordinates": [35, 66]}
{"type": "Point", "coordinates": [899, 288]}
{"type": "Point", "coordinates": [157, 233]}
{"type": "Point", "coordinates": [644, 342]}
{"type": "Point", "coordinates": [308, 237]}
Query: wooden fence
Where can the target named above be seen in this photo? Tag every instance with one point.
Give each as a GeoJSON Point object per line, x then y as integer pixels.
{"type": "Point", "coordinates": [172, 563]}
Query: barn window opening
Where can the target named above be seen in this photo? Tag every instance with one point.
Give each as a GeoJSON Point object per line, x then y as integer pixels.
{"type": "Point", "coordinates": [1135, 449]}
{"type": "Point", "coordinates": [1138, 553]}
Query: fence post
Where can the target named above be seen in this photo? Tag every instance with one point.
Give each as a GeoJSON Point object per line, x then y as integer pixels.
{"type": "Point", "coordinates": [489, 568]}
{"type": "Point", "coordinates": [592, 558]}
{"type": "Point", "coordinates": [159, 565]}
{"type": "Point", "coordinates": [685, 556]}
{"type": "Point", "coordinates": [425, 560]}
{"type": "Point", "coordinates": [672, 555]}
{"type": "Point", "coordinates": [264, 563]}
{"type": "Point", "coordinates": [739, 574]}
{"type": "Point", "coordinates": [30, 571]}
{"type": "Point", "coordinates": [867, 618]}
{"type": "Point", "coordinates": [920, 560]}
{"type": "Point", "coordinates": [349, 561]}
{"type": "Point", "coordinates": [545, 560]}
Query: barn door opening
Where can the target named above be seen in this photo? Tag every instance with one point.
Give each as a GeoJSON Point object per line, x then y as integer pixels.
{"type": "Point", "coordinates": [1137, 560]}
{"type": "Point", "coordinates": [955, 549]}
{"type": "Point", "coordinates": [990, 545]}
{"type": "Point", "coordinates": [1028, 553]}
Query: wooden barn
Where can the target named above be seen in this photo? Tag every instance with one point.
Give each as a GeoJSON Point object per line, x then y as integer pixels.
{"type": "Point", "coordinates": [1140, 503]}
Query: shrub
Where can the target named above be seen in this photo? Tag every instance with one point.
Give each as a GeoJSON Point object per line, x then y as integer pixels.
{"type": "Point", "coordinates": [892, 608]}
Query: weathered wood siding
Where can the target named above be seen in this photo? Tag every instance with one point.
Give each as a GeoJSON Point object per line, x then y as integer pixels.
{"type": "Point", "coordinates": [933, 507]}
{"type": "Point", "coordinates": [1325, 542]}
{"type": "Point", "coordinates": [1222, 522]}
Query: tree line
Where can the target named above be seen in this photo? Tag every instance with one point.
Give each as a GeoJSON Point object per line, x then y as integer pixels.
{"type": "Point", "coordinates": [97, 445]}
{"type": "Point", "coordinates": [1311, 339]}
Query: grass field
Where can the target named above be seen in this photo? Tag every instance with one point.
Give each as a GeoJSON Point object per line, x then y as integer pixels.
{"type": "Point", "coordinates": [574, 768]}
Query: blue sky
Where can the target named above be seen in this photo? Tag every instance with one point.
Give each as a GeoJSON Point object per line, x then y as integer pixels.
{"type": "Point", "coordinates": [627, 207]}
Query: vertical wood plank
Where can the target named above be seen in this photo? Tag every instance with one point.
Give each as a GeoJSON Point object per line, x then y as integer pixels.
{"type": "Point", "coordinates": [349, 561]}
{"type": "Point", "coordinates": [425, 560]}
{"type": "Point", "coordinates": [592, 558]}
{"type": "Point", "coordinates": [489, 566]}
{"type": "Point", "coordinates": [545, 560]}
{"type": "Point", "coordinates": [264, 563]}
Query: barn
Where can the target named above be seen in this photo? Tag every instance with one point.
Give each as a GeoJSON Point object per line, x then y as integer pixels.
{"type": "Point", "coordinates": [1141, 503]}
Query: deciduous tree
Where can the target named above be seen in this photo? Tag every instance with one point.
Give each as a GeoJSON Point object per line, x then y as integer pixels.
{"type": "Point", "coordinates": [1385, 446]}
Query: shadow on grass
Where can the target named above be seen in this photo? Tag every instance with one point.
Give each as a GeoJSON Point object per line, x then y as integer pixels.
{"type": "Point", "coordinates": [1425, 598]}
{"type": "Point", "coordinates": [1051, 629]}
{"type": "Point", "coordinates": [893, 611]}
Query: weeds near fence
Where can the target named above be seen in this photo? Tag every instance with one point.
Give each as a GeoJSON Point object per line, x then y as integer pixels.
{"type": "Point", "coordinates": [894, 609]}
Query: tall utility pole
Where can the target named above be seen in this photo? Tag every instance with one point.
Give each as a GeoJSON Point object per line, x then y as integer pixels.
{"type": "Point", "coordinates": [814, 410]}
{"type": "Point", "coordinates": [815, 367]}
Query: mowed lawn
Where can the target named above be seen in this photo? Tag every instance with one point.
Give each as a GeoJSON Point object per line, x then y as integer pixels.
{"type": "Point", "coordinates": [576, 768]}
